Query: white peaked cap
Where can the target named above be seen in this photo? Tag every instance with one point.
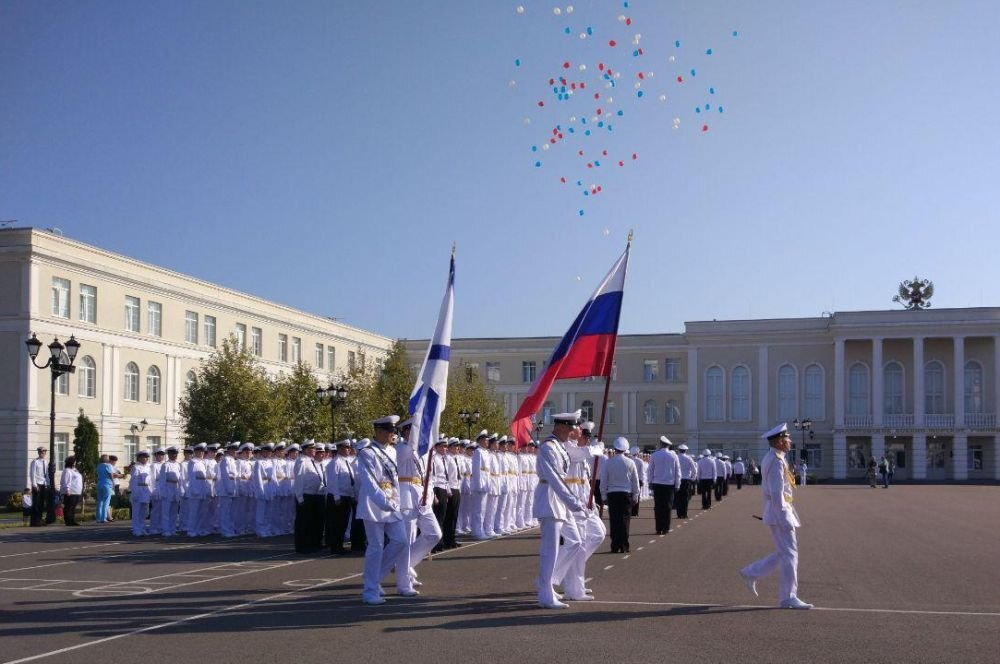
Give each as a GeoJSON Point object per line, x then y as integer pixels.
{"type": "Point", "coordinates": [621, 444]}
{"type": "Point", "coordinates": [567, 418]}
{"type": "Point", "coordinates": [771, 433]}
{"type": "Point", "coordinates": [682, 447]}
{"type": "Point", "coordinates": [665, 440]}
{"type": "Point", "coordinates": [483, 434]}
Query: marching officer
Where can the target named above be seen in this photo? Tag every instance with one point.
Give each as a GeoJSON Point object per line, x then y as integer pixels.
{"type": "Point", "coordinates": [665, 481]}
{"type": "Point", "coordinates": [689, 477]}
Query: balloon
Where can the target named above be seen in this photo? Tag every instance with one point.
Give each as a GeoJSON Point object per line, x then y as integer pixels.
{"type": "Point", "coordinates": [590, 30]}
{"type": "Point", "coordinates": [735, 34]}
{"type": "Point", "coordinates": [704, 128]}
{"type": "Point", "coordinates": [694, 73]}
{"type": "Point", "coordinates": [639, 93]}
{"type": "Point", "coordinates": [520, 9]}
{"type": "Point", "coordinates": [607, 232]}
{"type": "Point", "coordinates": [569, 10]}
{"type": "Point", "coordinates": [517, 62]}
{"type": "Point", "coordinates": [583, 35]}
{"type": "Point", "coordinates": [621, 18]}
{"type": "Point", "coordinates": [565, 65]}
{"type": "Point", "coordinates": [663, 98]}
{"type": "Point", "coordinates": [545, 146]}
{"type": "Point", "coordinates": [680, 79]}
{"type": "Point", "coordinates": [538, 164]}
{"type": "Point", "coordinates": [671, 59]}
{"type": "Point", "coordinates": [711, 91]}
{"type": "Point", "coordinates": [534, 148]}
{"type": "Point", "coordinates": [720, 109]}
{"type": "Point", "coordinates": [708, 52]}
{"type": "Point", "coordinates": [557, 11]}
{"type": "Point", "coordinates": [677, 43]}
{"type": "Point", "coordinates": [526, 121]}
{"type": "Point", "coordinates": [612, 43]}
{"type": "Point", "coordinates": [512, 83]}
{"type": "Point", "coordinates": [581, 214]}
{"type": "Point", "coordinates": [567, 30]}
{"type": "Point", "coordinates": [582, 67]}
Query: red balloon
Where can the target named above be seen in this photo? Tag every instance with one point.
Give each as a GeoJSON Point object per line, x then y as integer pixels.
{"type": "Point", "coordinates": [680, 79]}
{"type": "Point", "coordinates": [612, 43]}
{"type": "Point", "coordinates": [565, 65]}
{"type": "Point", "coordinates": [563, 180]}
{"type": "Point", "coordinates": [604, 152]}
{"type": "Point", "coordinates": [704, 128]}
{"type": "Point", "coordinates": [621, 163]}
{"type": "Point", "coordinates": [597, 95]}
{"type": "Point", "coordinates": [634, 156]}
{"type": "Point", "coordinates": [628, 21]}
{"type": "Point", "coordinates": [541, 103]}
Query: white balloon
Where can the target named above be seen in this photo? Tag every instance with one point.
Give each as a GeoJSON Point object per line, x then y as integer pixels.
{"type": "Point", "coordinates": [520, 9]}
{"type": "Point", "coordinates": [611, 100]}
{"type": "Point", "coordinates": [663, 97]}
{"type": "Point", "coordinates": [618, 74]}
{"type": "Point", "coordinates": [512, 83]}
{"type": "Point", "coordinates": [621, 18]}
{"type": "Point", "coordinates": [572, 118]}
{"type": "Point", "coordinates": [583, 35]}
{"type": "Point", "coordinates": [545, 146]}
{"type": "Point", "coordinates": [582, 67]}
{"type": "Point", "coordinates": [526, 121]}
{"type": "Point", "coordinates": [607, 231]}
{"type": "Point", "coordinates": [557, 11]}
{"type": "Point", "coordinates": [637, 85]}
{"type": "Point", "coordinates": [569, 10]}
{"type": "Point", "coordinates": [671, 59]}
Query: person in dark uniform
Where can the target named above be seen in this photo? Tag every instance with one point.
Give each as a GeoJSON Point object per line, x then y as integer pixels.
{"type": "Point", "coordinates": [706, 478]}
{"type": "Point", "coordinates": [689, 473]}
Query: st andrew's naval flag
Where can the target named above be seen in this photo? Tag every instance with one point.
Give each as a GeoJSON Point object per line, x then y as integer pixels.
{"type": "Point", "coordinates": [587, 349]}
{"type": "Point", "coordinates": [428, 398]}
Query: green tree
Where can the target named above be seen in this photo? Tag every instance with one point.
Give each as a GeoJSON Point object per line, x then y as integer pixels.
{"type": "Point", "coordinates": [355, 416]}
{"type": "Point", "coordinates": [302, 414]}
{"type": "Point", "coordinates": [232, 398]}
{"type": "Point", "coordinates": [395, 382]}
{"type": "Point", "coordinates": [86, 448]}
{"type": "Point", "coordinates": [468, 392]}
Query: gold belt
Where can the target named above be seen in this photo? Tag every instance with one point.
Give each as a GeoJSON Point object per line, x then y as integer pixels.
{"type": "Point", "coordinates": [412, 480]}
{"type": "Point", "coordinates": [575, 480]}
{"type": "Point", "coordinates": [385, 485]}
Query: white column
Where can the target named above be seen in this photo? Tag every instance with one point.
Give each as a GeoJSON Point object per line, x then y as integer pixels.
{"type": "Point", "coordinates": [878, 392]}
{"type": "Point", "coordinates": [878, 446]}
{"type": "Point", "coordinates": [960, 457]}
{"type": "Point", "coordinates": [838, 383]}
{"type": "Point", "coordinates": [918, 460]}
{"type": "Point", "coordinates": [839, 456]}
{"type": "Point", "coordinates": [633, 400]}
{"type": "Point", "coordinates": [918, 382]}
{"type": "Point", "coordinates": [571, 401]}
{"type": "Point", "coordinates": [959, 382]}
{"type": "Point", "coordinates": [565, 400]}
{"type": "Point", "coordinates": [691, 405]}
{"type": "Point", "coordinates": [764, 422]}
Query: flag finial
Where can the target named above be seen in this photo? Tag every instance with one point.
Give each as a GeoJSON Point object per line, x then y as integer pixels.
{"type": "Point", "coordinates": [454, 245]}
{"type": "Point", "coordinates": [630, 236]}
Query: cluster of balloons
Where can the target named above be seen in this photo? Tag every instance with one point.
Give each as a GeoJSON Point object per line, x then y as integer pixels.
{"type": "Point", "coordinates": [594, 88]}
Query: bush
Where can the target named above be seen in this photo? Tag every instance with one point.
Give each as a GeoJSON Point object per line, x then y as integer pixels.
{"type": "Point", "coordinates": [123, 514]}
{"type": "Point", "coordinates": [14, 502]}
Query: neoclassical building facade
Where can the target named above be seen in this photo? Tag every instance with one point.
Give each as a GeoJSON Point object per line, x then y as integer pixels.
{"type": "Point", "coordinates": [920, 387]}
{"type": "Point", "coordinates": [144, 331]}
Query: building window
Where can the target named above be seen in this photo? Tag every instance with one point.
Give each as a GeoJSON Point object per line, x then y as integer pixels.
{"type": "Point", "coordinates": [857, 389]}
{"type": "Point", "coordinates": [815, 393]}
{"type": "Point", "coordinates": [86, 377]}
{"type": "Point", "coordinates": [813, 456]}
{"type": "Point", "coordinates": [62, 384]}
{"type": "Point", "coordinates": [331, 358]}
{"type": "Point", "coordinates": [547, 411]}
{"type": "Point", "coordinates": [209, 331]}
{"type": "Point", "coordinates": [361, 359]}
{"type": "Point", "coordinates": [975, 457]}
{"type": "Point", "coordinates": [587, 410]}
{"type": "Point", "coordinates": [61, 451]}
{"type": "Point", "coordinates": [649, 412]}
{"type": "Point", "coordinates": [934, 388]}
{"type": "Point", "coordinates": [492, 372]}
{"type": "Point", "coordinates": [787, 403]}
{"type": "Point", "coordinates": [713, 394]}
{"type": "Point", "coordinates": [131, 313]}
{"type": "Point", "coordinates": [973, 387]}
{"type": "Point", "coordinates": [189, 380]}
{"type": "Point", "coordinates": [320, 355]}
{"type": "Point", "coordinates": [154, 318]}
{"type": "Point", "coordinates": [471, 369]}
{"type": "Point", "coordinates": [88, 303]}
{"type": "Point", "coordinates": [296, 350]}
{"type": "Point", "coordinates": [241, 336]}
{"type": "Point", "coordinates": [153, 442]}
{"type": "Point", "coordinates": [671, 412]}
{"type": "Point", "coordinates": [528, 371]}
{"type": "Point", "coordinates": [153, 385]}
{"type": "Point", "coordinates": [131, 382]}
{"type": "Point", "coordinates": [257, 341]}
{"type": "Point", "coordinates": [60, 297]}
{"type": "Point", "coordinates": [892, 389]}
{"type": "Point", "coordinates": [650, 370]}
{"type": "Point", "coordinates": [672, 369]}
{"type": "Point", "coordinates": [283, 347]}
{"type": "Point", "coordinates": [739, 405]}
{"type": "Point", "coordinates": [191, 327]}
{"type": "Point", "coordinates": [351, 361]}
{"type": "Point", "coordinates": [611, 414]}
{"type": "Point", "coordinates": [130, 447]}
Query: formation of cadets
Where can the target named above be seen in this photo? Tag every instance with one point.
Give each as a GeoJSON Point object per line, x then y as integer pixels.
{"type": "Point", "coordinates": [368, 496]}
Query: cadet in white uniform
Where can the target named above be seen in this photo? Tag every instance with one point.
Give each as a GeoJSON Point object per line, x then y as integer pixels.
{"type": "Point", "coordinates": [423, 530]}
{"type": "Point", "coordinates": [482, 523]}
{"type": "Point", "coordinates": [378, 506]}
{"type": "Point", "coordinates": [140, 486]}
{"type": "Point", "coordinates": [780, 517]}
{"type": "Point", "coordinates": [310, 494]}
{"type": "Point", "coordinates": [620, 489]}
{"type": "Point", "coordinates": [554, 507]}
{"type": "Point", "coordinates": [197, 491]}
{"type": "Point", "coordinates": [156, 510]}
{"type": "Point", "coordinates": [739, 468]}
{"type": "Point", "coordinates": [340, 492]}
{"type": "Point", "coordinates": [582, 454]}
{"type": "Point", "coordinates": [168, 488]}
{"type": "Point", "coordinates": [664, 482]}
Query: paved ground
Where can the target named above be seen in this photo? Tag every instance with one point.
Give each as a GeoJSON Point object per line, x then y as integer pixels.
{"type": "Point", "coordinates": [908, 574]}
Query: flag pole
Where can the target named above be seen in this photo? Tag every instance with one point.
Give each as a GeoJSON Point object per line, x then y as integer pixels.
{"type": "Point", "coordinates": [607, 391]}
{"type": "Point", "coordinates": [427, 475]}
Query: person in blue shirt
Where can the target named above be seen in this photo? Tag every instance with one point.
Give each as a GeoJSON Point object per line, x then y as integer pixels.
{"type": "Point", "coordinates": [106, 475]}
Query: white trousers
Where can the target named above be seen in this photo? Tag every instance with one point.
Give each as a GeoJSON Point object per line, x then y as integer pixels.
{"type": "Point", "coordinates": [169, 509]}
{"type": "Point", "coordinates": [553, 560]}
{"type": "Point", "coordinates": [139, 511]}
{"type": "Point", "coordinates": [156, 517]}
{"type": "Point", "coordinates": [500, 515]}
{"type": "Point", "coordinates": [261, 525]}
{"type": "Point", "coordinates": [592, 534]}
{"type": "Point", "coordinates": [477, 509]}
{"type": "Point", "coordinates": [418, 546]}
{"type": "Point", "coordinates": [489, 514]}
{"type": "Point", "coordinates": [226, 527]}
{"type": "Point", "coordinates": [785, 559]}
{"type": "Point", "coordinates": [380, 558]}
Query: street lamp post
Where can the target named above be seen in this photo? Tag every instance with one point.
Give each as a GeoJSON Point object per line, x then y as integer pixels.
{"type": "Point", "coordinates": [58, 368]}
{"type": "Point", "coordinates": [805, 426]}
{"type": "Point", "coordinates": [469, 419]}
{"type": "Point", "coordinates": [139, 427]}
{"type": "Point", "coordinates": [336, 396]}
{"type": "Point", "coordinates": [538, 428]}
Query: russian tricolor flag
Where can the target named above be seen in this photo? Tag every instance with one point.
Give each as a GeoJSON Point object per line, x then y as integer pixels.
{"type": "Point", "coordinates": [587, 349]}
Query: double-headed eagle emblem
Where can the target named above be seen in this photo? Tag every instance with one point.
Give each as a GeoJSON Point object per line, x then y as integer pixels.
{"type": "Point", "coordinates": [915, 293]}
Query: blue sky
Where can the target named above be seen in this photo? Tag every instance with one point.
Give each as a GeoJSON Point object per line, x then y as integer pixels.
{"type": "Point", "coordinates": [325, 155]}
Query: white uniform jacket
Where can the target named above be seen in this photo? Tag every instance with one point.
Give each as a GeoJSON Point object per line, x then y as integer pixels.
{"type": "Point", "coordinates": [481, 470]}
{"type": "Point", "coordinates": [228, 473]}
{"type": "Point", "coordinates": [776, 490]}
{"type": "Point", "coordinates": [197, 477]}
{"type": "Point", "coordinates": [707, 469]}
{"type": "Point", "coordinates": [410, 470]}
{"type": "Point", "coordinates": [689, 469]}
{"type": "Point", "coordinates": [665, 468]}
{"type": "Point", "coordinates": [140, 483]}
{"type": "Point", "coordinates": [553, 499]}
{"type": "Point", "coordinates": [378, 488]}
{"type": "Point", "coordinates": [168, 482]}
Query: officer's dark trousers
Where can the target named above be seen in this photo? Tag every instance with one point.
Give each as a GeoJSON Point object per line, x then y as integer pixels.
{"type": "Point", "coordinates": [359, 541]}
{"type": "Point", "coordinates": [739, 481]}
{"type": "Point", "coordinates": [451, 520]}
{"type": "Point", "coordinates": [309, 523]}
{"type": "Point", "coordinates": [718, 488]}
{"type": "Point", "coordinates": [440, 512]}
{"type": "Point", "coordinates": [725, 487]}
{"type": "Point", "coordinates": [38, 499]}
{"type": "Point", "coordinates": [681, 499]}
{"type": "Point", "coordinates": [663, 502]}
{"type": "Point", "coordinates": [705, 486]}
{"type": "Point", "coordinates": [337, 518]}
{"type": "Point", "coordinates": [619, 508]}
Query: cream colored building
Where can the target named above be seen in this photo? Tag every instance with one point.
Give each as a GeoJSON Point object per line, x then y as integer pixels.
{"type": "Point", "coordinates": [144, 331]}
{"type": "Point", "coordinates": [919, 386]}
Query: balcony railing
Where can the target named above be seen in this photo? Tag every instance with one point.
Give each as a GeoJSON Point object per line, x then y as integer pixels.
{"type": "Point", "coordinates": [939, 421]}
{"type": "Point", "coordinates": [897, 421]}
{"type": "Point", "coordinates": [980, 420]}
{"type": "Point", "coordinates": [857, 421]}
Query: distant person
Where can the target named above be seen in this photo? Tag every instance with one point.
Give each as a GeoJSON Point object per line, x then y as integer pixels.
{"type": "Point", "coordinates": [70, 488]}
{"type": "Point", "coordinates": [26, 506]}
{"type": "Point", "coordinates": [105, 488]}
{"type": "Point", "coordinates": [872, 471]}
{"type": "Point", "coordinates": [803, 468]}
{"type": "Point", "coordinates": [38, 478]}
{"type": "Point", "coordinates": [883, 471]}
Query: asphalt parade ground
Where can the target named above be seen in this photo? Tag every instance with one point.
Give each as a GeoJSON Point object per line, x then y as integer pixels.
{"type": "Point", "coordinates": [908, 574]}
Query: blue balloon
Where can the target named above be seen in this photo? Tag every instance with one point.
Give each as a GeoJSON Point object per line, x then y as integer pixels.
{"type": "Point", "coordinates": [581, 213]}
{"type": "Point", "coordinates": [538, 164]}
{"type": "Point", "coordinates": [720, 109]}
{"type": "Point", "coordinates": [600, 123]}
{"type": "Point", "coordinates": [694, 73]}
{"type": "Point", "coordinates": [586, 192]}
{"type": "Point", "coordinates": [735, 34]}
{"type": "Point", "coordinates": [639, 93]}
{"type": "Point", "coordinates": [711, 91]}
{"type": "Point", "coordinates": [597, 163]}
{"type": "Point", "coordinates": [621, 113]}
{"type": "Point", "coordinates": [572, 131]}
{"type": "Point", "coordinates": [567, 31]}
{"type": "Point", "coordinates": [697, 109]}
{"type": "Point", "coordinates": [708, 52]}
{"type": "Point", "coordinates": [677, 43]}
{"type": "Point", "coordinates": [534, 148]}
{"type": "Point", "coordinates": [587, 133]}
{"type": "Point", "coordinates": [517, 62]}
{"type": "Point", "coordinates": [590, 30]}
